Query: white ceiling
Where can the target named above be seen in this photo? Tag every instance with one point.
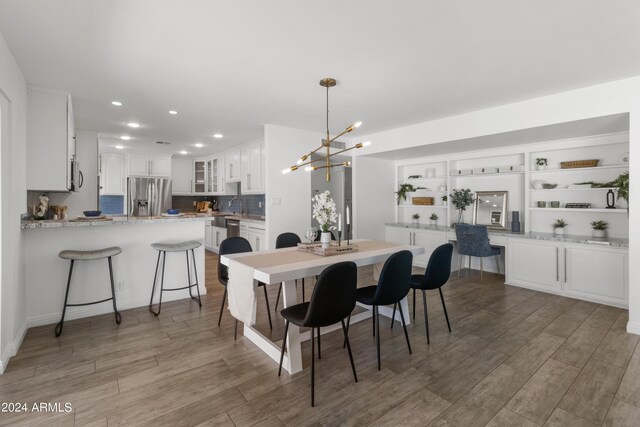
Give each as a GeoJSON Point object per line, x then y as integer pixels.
{"type": "Point", "coordinates": [231, 66]}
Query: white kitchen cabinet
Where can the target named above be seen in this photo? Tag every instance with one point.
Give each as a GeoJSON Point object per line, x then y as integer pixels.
{"type": "Point", "coordinates": [160, 165]}
{"type": "Point", "coordinates": [596, 273]}
{"type": "Point", "coordinates": [218, 235]}
{"type": "Point", "coordinates": [112, 176]}
{"type": "Point", "coordinates": [255, 235]}
{"type": "Point", "coordinates": [208, 237]}
{"type": "Point", "coordinates": [535, 264]}
{"type": "Point", "coordinates": [181, 176]}
{"type": "Point", "coordinates": [156, 165]}
{"type": "Point", "coordinates": [50, 140]}
{"type": "Point", "coordinates": [232, 165]}
{"type": "Point", "coordinates": [244, 231]}
{"type": "Point", "coordinates": [429, 240]}
{"type": "Point", "coordinates": [251, 168]}
{"type": "Point", "coordinates": [199, 177]}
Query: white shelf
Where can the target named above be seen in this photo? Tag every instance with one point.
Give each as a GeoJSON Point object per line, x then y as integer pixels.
{"type": "Point", "coordinates": [575, 189]}
{"type": "Point", "coordinates": [421, 179]}
{"type": "Point", "coordinates": [593, 210]}
{"type": "Point", "coordinates": [624, 166]}
{"type": "Point", "coordinates": [423, 206]}
{"type": "Point", "coordinates": [488, 174]}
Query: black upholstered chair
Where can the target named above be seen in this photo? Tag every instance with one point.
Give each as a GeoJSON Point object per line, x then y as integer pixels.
{"type": "Point", "coordinates": [393, 286]}
{"type": "Point", "coordinates": [435, 276]}
{"type": "Point", "coordinates": [332, 300]}
{"type": "Point", "coordinates": [287, 240]}
{"type": "Point", "coordinates": [235, 245]}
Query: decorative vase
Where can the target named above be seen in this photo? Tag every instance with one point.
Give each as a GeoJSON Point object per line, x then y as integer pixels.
{"type": "Point", "coordinates": [515, 221]}
{"type": "Point", "coordinates": [325, 239]}
{"type": "Point", "coordinates": [460, 216]}
{"type": "Point", "coordinates": [599, 233]}
{"type": "Point", "coordinates": [434, 222]}
{"type": "Point", "coordinates": [416, 221]}
{"type": "Point", "coordinates": [611, 200]}
{"type": "Point", "coordinates": [541, 167]}
{"type": "Point", "coordinates": [558, 230]}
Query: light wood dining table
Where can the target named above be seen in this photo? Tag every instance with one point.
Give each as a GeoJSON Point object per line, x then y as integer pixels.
{"type": "Point", "coordinates": [284, 266]}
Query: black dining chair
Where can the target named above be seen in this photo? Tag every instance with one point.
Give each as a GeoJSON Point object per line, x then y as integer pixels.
{"type": "Point", "coordinates": [332, 300]}
{"type": "Point", "coordinates": [435, 276]}
{"type": "Point", "coordinates": [393, 286]}
{"type": "Point", "coordinates": [235, 245]}
{"type": "Point", "coordinates": [287, 240]}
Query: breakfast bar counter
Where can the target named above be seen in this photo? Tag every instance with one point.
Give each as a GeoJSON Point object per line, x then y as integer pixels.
{"type": "Point", "coordinates": [46, 273]}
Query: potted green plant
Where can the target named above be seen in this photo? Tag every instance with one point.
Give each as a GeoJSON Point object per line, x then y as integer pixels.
{"type": "Point", "coordinates": [401, 194]}
{"type": "Point", "coordinates": [558, 226]}
{"type": "Point", "coordinates": [621, 183]}
{"type": "Point", "coordinates": [434, 219]}
{"type": "Point", "coordinates": [541, 163]}
{"type": "Point", "coordinates": [444, 200]}
{"type": "Point", "coordinates": [461, 199]}
{"type": "Point", "coordinates": [416, 218]}
{"type": "Point", "coordinates": [599, 228]}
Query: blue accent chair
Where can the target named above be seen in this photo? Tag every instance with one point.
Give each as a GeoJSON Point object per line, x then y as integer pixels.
{"type": "Point", "coordinates": [473, 240]}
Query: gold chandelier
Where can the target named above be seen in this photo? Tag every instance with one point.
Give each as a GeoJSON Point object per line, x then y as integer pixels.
{"type": "Point", "coordinates": [326, 143]}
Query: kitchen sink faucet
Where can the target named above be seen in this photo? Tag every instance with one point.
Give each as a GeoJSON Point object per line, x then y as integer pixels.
{"type": "Point", "coordinates": [241, 204]}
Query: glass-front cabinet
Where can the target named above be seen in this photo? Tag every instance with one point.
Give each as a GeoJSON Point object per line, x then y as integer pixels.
{"type": "Point", "coordinates": [216, 174]}
{"type": "Point", "coordinates": [212, 167]}
{"type": "Point", "coordinates": [199, 177]}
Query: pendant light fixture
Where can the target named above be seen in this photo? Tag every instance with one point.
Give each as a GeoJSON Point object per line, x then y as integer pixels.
{"type": "Point", "coordinates": [326, 143]}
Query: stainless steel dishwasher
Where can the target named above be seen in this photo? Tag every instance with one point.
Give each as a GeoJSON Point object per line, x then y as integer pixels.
{"type": "Point", "coordinates": [233, 228]}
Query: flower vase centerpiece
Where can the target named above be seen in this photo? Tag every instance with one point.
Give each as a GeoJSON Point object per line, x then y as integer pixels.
{"type": "Point", "coordinates": [324, 211]}
{"type": "Point", "coordinates": [460, 199]}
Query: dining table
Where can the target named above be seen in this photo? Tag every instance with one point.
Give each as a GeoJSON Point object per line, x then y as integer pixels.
{"type": "Point", "coordinates": [285, 266]}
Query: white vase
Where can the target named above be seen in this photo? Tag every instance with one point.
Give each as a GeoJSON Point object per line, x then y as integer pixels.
{"type": "Point", "coordinates": [558, 230]}
{"type": "Point", "coordinates": [434, 222]}
{"type": "Point", "coordinates": [325, 239]}
{"type": "Point", "coordinates": [541, 167]}
{"type": "Point", "coordinates": [599, 233]}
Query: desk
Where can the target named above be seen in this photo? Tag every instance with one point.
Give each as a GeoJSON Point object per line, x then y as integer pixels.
{"type": "Point", "coordinates": [281, 269]}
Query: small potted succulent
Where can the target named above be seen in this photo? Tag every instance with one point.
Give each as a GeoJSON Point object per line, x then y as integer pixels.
{"type": "Point", "coordinates": [558, 226]}
{"type": "Point", "coordinates": [541, 163]}
{"type": "Point", "coordinates": [444, 200]}
{"type": "Point", "coordinates": [599, 228]}
{"type": "Point", "coordinates": [433, 219]}
{"type": "Point", "coordinates": [416, 218]}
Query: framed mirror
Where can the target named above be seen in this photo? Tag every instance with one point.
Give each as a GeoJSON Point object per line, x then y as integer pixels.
{"type": "Point", "coordinates": [490, 209]}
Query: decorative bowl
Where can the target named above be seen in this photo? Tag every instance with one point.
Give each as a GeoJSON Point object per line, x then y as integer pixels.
{"type": "Point", "coordinates": [173, 211]}
{"type": "Point", "coordinates": [549, 186]}
{"type": "Point", "coordinates": [92, 213]}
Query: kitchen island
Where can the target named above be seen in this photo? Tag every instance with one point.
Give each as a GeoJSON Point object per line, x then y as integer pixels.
{"type": "Point", "coordinates": [46, 273]}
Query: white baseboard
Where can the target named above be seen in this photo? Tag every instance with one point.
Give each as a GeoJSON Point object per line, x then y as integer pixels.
{"type": "Point", "coordinates": [12, 350]}
{"type": "Point", "coordinates": [633, 328]}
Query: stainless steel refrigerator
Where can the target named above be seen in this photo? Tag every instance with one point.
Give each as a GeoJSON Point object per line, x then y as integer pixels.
{"type": "Point", "coordinates": [148, 196]}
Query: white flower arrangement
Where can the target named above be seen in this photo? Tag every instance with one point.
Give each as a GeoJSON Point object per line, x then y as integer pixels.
{"type": "Point", "coordinates": [43, 207]}
{"type": "Point", "coordinates": [324, 210]}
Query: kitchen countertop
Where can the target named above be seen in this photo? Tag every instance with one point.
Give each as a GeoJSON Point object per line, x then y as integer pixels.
{"type": "Point", "coordinates": [116, 220]}
{"type": "Point", "coordinates": [566, 238]}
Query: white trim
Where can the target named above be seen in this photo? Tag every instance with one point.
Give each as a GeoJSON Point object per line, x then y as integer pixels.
{"type": "Point", "coordinates": [12, 350]}
{"type": "Point", "coordinates": [633, 328]}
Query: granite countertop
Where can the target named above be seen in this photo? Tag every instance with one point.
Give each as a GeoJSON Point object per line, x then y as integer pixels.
{"type": "Point", "coordinates": [247, 218]}
{"type": "Point", "coordinates": [116, 220]}
{"type": "Point", "coordinates": [566, 238]}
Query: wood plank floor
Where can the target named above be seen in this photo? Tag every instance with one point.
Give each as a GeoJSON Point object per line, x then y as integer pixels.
{"type": "Point", "coordinates": [515, 357]}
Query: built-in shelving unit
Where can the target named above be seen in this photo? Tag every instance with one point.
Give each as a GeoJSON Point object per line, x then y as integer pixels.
{"type": "Point", "coordinates": [441, 174]}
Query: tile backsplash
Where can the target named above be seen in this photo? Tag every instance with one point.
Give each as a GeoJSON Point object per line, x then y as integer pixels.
{"type": "Point", "coordinates": [253, 203]}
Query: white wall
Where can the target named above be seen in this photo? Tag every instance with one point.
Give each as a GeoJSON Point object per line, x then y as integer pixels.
{"type": "Point", "coordinates": [288, 197]}
{"type": "Point", "coordinates": [13, 96]}
{"type": "Point", "coordinates": [373, 196]}
{"type": "Point", "coordinates": [617, 97]}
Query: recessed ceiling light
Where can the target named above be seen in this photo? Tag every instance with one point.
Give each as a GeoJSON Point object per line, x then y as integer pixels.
{"type": "Point", "coordinates": [116, 103]}
{"type": "Point", "coordinates": [125, 137]}
{"type": "Point", "coordinates": [198, 144]}
{"type": "Point", "coordinates": [217, 135]}
{"type": "Point", "coordinates": [173, 112]}
{"type": "Point", "coordinates": [134, 125]}
{"type": "Point", "coordinates": [120, 147]}
{"type": "Point", "coordinates": [183, 152]}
